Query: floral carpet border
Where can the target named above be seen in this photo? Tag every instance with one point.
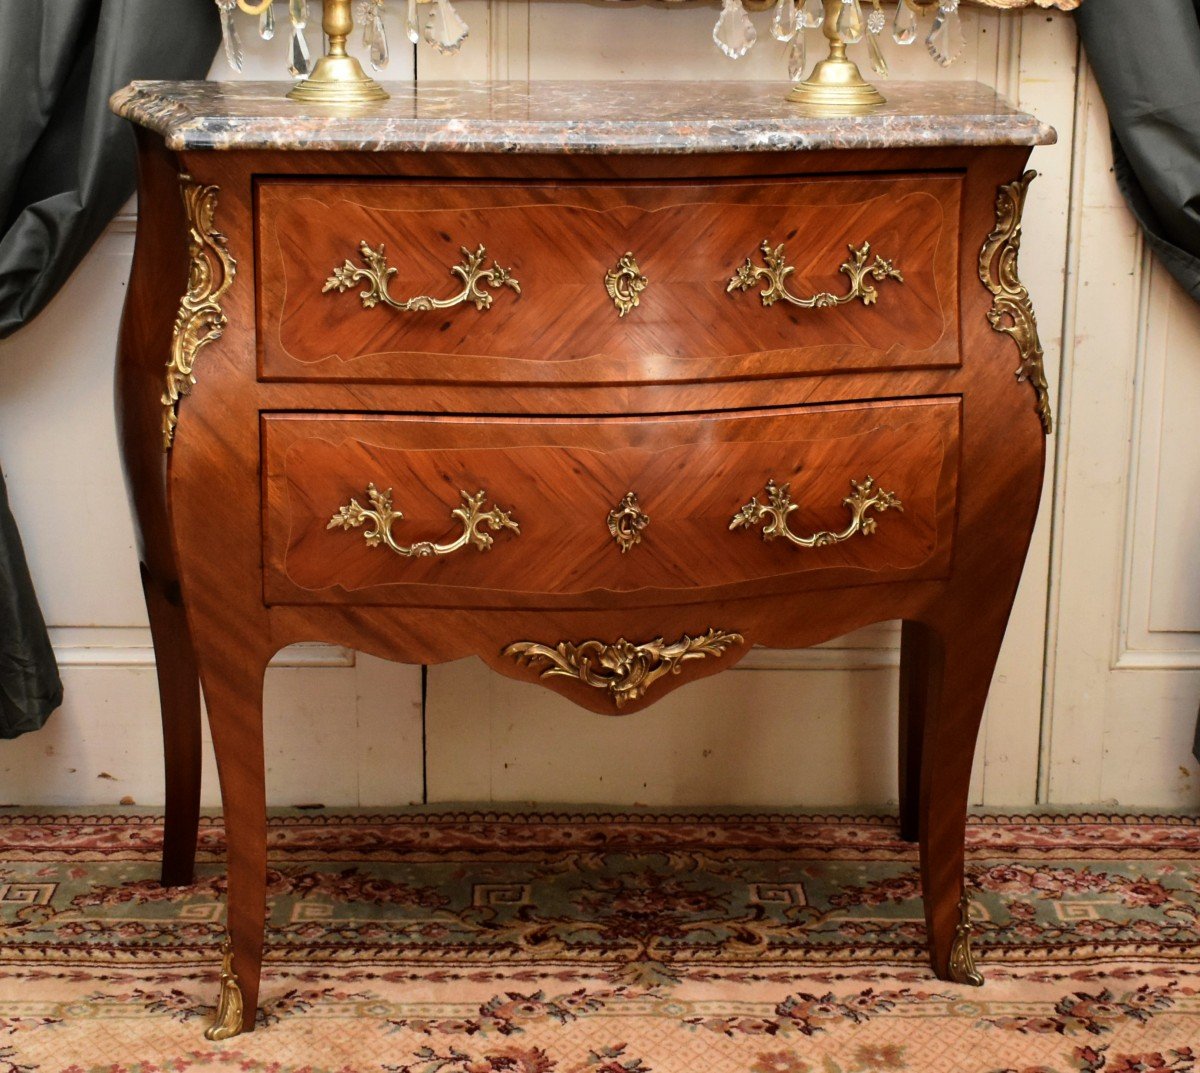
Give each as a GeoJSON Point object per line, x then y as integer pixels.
{"type": "Point", "coordinates": [26, 835]}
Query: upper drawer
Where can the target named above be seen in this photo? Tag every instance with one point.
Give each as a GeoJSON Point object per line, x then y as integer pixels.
{"type": "Point", "coordinates": [562, 244]}
{"type": "Point", "coordinates": [398, 510]}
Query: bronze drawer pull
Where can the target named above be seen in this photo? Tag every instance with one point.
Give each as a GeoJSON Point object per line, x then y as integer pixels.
{"type": "Point", "coordinates": [777, 270]}
{"type": "Point", "coordinates": [864, 497]}
{"type": "Point", "coordinates": [378, 272]}
{"type": "Point", "coordinates": [471, 514]}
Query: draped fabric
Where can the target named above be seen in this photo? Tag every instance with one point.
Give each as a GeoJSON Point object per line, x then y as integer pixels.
{"type": "Point", "coordinates": [66, 166]}
{"type": "Point", "coordinates": [1146, 58]}
{"type": "Point", "coordinates": [29, 684]}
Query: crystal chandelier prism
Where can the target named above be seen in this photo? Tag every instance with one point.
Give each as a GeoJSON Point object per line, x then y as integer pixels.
{"type": "Point", "coordinates": [337, 77]}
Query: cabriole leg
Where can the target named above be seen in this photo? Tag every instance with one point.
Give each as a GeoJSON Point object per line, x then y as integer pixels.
{"type": "Point", "coordinates": [179, 699]}
{"type": "Point", "coordinates": [232, 672]}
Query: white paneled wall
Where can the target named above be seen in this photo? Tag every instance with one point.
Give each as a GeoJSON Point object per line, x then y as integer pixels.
{"type": "Point", "coordinates": [1099, 679]}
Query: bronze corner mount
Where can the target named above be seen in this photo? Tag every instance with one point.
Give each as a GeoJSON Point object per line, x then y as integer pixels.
{"type": "Point", "coordinates": [1012, 309]}
{"type": "Point", "coordinates": [200, 320]}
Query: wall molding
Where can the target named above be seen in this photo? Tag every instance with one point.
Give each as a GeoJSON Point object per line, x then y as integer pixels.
{"type": "Point", "coordinates": [1134, 659]}
{"type": "Point", "coordinates": [130, 646]}
{"type": "Point", "coordinates": [1138, 643]}
{"type": "Point", "coordinates": [508, 39]}
{"type": "Point", "coordinates": [820, 659]}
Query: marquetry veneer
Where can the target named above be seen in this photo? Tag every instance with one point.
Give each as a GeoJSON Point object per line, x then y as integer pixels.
{"type": "Point", "coordinates": [569, 484]}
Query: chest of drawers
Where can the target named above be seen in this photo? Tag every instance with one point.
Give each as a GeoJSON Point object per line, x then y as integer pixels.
{"type": "Point", "coordinates": [603, 387]}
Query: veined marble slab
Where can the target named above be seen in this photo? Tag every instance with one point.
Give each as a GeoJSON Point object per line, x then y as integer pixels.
{"type": "Point", "coordinates": [571, 117]}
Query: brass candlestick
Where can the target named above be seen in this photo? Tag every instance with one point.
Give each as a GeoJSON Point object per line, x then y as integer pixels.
{"type": "Point", "coordinates": [836, 86]}
{"type": "Point", "coordinates": [338, 78]}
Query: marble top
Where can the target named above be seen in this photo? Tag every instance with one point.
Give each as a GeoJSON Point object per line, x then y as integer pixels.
{"type": "Point", "coordinates": [571, 117]}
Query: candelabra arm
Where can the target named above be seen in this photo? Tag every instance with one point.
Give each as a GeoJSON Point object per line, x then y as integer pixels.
{"type": "Point", "coordinates": [338, 78]}
{"type": "Point", "coordinates": [836, 86]}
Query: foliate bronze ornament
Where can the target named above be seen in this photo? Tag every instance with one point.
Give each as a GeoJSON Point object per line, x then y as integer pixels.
{"type": "Point", "coordinates": [626, 522]}
{"type": "Point", "coordinates": [378, 272]}
{"type": "Point", "coordinates": [228, 1021]}
{"type": "Point", "coordinates": [382, 517]}
{"type": "Point", "coordinates": [1012, 310]}
{"type": "Point", "coordinates": [863, 498]}
{"type": "Point", "coordinates": [775, 270]}
{"type": "Point", "coordinates": [626, 670]}
{"type": "Point", "coordinates": [962, 960]}
{"type": "Point", "coordinates": [625, 284]}
{"type": "Point", "coordinates": [200, 320]}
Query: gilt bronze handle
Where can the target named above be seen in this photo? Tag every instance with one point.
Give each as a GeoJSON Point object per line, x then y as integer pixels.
{"type": "Point", "coordinates": [775, 270]}
{"type": "Point", "coordinates": [863, 498]}
{"type": "Point", "coordinates": [378, 272]}
{"type": "Point", "coordinates": [471, 514]}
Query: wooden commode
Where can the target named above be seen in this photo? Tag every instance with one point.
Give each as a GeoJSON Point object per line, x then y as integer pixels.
{"type": "Point", "coordinates": [604, 384]}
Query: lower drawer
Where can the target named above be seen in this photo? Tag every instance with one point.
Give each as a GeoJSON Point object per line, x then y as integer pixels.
{"type": "Point", "coordinates": [585, 512]}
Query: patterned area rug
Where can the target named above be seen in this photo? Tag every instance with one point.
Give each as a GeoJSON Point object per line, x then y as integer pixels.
{"type": "Point", "coordinates": [493, 943]}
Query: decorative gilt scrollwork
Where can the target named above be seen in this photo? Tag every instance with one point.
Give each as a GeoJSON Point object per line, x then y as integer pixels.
{"type": "Point", "coordinates": [962, 961]}
{"type": "Point", "coordinates": [626, 522]}
{"type": "Point", "coordinates": [1012, 310]}
{"type": "Point", "coordinates": [228, 1022]}
{"type": "Point", "coordinates": [625, 284]}
{"type": "Point", "coordinates": [863, 498]}
{"type": "Point", "coordinates": [777, 270]}
{"type": "Point", "coordinates": [471, 514]}
{"type": "Point", "coordinates": [378, 272]}
{"type": "Point", "coordinates": [626, 670]}
{"type": "Point", "coordinates": [200, 320]}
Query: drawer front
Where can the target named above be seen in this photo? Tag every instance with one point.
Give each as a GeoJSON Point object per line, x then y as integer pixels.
{"type": "Point", "coordinates": [561, 307]}
{"type": "Point", "coordinates": [553, 512]}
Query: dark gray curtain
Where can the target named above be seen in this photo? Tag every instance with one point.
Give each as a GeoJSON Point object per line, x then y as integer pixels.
{"type": "Point", "coordinates": [29, 686]}
{"type": "Point", "coordinates": [66, 166]}
{"type": "Point", "coordinates": [1146, 57]}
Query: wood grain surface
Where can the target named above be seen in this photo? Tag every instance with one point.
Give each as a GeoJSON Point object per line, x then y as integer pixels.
{"type": "Point", "coordinates": [561, 477]}
{"type": "Point", "coordinates": [559, 240]}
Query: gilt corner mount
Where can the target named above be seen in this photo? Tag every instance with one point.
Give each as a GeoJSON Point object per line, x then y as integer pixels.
{"type": "Point", "coordinates": [1012, 308]}
{"type": "Point", "coordinates": [200, 320]}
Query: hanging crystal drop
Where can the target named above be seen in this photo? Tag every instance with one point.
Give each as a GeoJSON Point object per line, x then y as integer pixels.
{"type": "Point", "coordinates": [797, 56]}
{"type": "Point", "coordinates": [362, 15]}
{"type": "Point", "coordinates": [876, 23]}
{"type": "Point", "coordinates": [229, 34]}
{"type": "Point", "coordinates": [411, 27]}
{"type": "Point", "coordinates": [379, 44]}
{"type": "Point", "coordinates": [812, 16]}
{"type": "Point", "coordinates": [904, 29]}
{"type": "Point", "coordinates": [299, 62]}
{"type": "Point", "coordinates": [850, 22]}
{"type": "Point", "coordinates": [734, 33]}
{"type": "Point", "coordinates": [878, 63]}
{"type": "Point", "coordinates": [783, 25]}
{"type": "Point", "coordinates": [946, 40]}
{"type": "Point", "coordinates": [876, 20]}
{"type": "Point", "coordinates": [266, 23]}
{"type": "Point", "coordinates": [445, 29]}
